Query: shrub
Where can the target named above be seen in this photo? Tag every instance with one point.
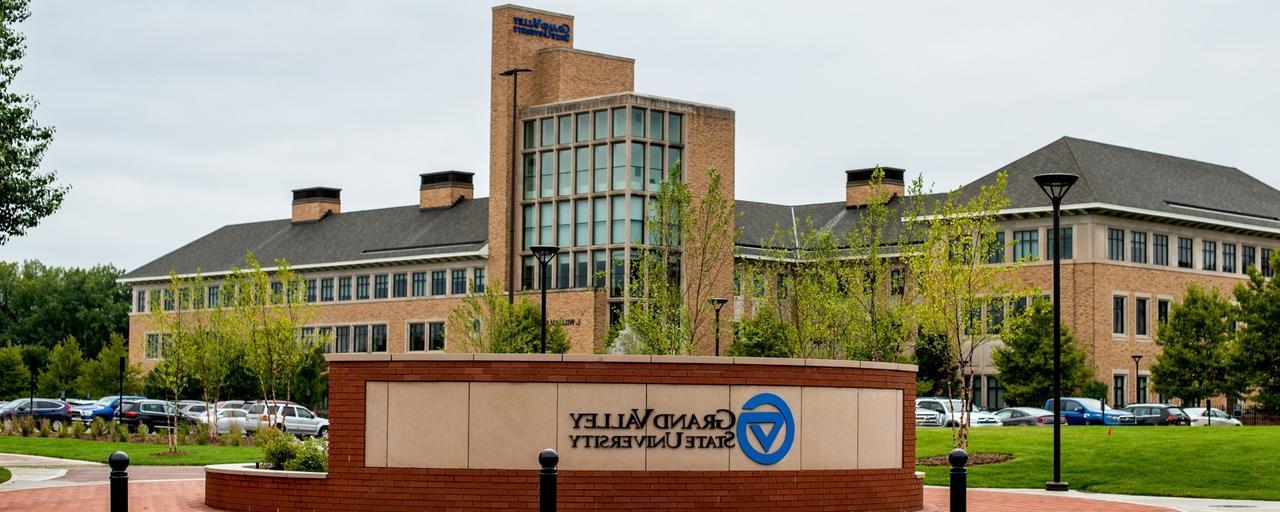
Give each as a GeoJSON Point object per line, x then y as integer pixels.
{"type": "Point", "coordinates": [99, 427]}
{"type": "Point", "coordinates": [278, 448]}
{"type": "Point", "coordinates": [26, 426]}
{"type": "Point", "coordinates": [233, 435]}
{"type": "Point", "coordinates": [46, 428]}
{"type": "Point", "coordinates": [120, 433]}
{"type": "Point", "coordinates": [143, 432]}
{"type": "Point", "coordinates": [78, 429]}
{"type": "Point", "coordinates": [199, 433]}
{"type": "Point", "coordinates": [311, 455]}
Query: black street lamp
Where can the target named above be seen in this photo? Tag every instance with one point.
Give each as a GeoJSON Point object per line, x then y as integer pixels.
{"type": "Point", "coordinates": [544, 253]}
{"type": "Point", "coordinates": [1136, 359]}
{"type": "Point", "coordinates": [120, 405]}
{"type": "Point", "coordinates": [718, 302]}
{"type": "Point", "coordinates": [1056, 185]}
{"type": "Point", "coordinates": [514, 73]}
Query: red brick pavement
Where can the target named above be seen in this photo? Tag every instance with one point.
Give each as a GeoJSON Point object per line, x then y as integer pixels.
{"type": "Point", "coordinates": [188, 495]}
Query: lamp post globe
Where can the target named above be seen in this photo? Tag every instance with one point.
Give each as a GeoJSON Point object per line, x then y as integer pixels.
{"type": "Point", "coordinates": [718, 302]}
{"type": "Point", "coordinates": [1056, 185]}
{"type": "Point", "coordinates": [544, 254]}
{"type": "Point", "coordinates": [1137, 358]}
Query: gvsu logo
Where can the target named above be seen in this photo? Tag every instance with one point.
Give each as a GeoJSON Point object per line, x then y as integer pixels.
{"type": "Point", "coordinates": [765, 416]}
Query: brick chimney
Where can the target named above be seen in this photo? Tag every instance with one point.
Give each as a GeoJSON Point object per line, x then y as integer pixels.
{"type": "Point", "coordinates": [315, 203]}
{"type": "Point", "coordinates": [857, 189]}
{"type": "Point", "coordinates": [444, 189]}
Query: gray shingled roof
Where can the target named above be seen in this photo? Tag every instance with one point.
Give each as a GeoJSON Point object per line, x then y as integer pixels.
{"type": "Point", "coordinates": [399, 232]}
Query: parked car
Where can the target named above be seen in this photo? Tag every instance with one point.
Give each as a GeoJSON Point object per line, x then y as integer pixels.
{"type": "Point", "coordinates": [197, 411]}
{"type": "Point", "coordinates": [155, 414]}
{"type": "Point", "coordinates": [946, 412]}
{"type": "Point", "coordinates": [231, 404]}
{"type": "Point", "coordinates": [56, 411]}
{"type": "Point", "coordinates": [1026, 416]}
{"type": "Point", "coordinates": [288, 416]}
{"type": "Point", "coordinates": [229, 417]}
{"type": "Point", "coordinates": [1216, 418]}
{"type": "Point", "coordinates": [1158, 414]}
{"type": "Point", "coordinates": [1088, 411]}
{"type": "Point", "coordinates": [104, 408]}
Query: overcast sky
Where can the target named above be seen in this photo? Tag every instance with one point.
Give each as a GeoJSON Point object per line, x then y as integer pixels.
{"type": "Point", "coordinates": [174, 118]}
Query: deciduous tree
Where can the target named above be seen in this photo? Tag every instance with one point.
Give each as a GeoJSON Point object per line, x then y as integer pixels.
{"type": "Point", "coordinates": [486, 322]}
{"type": "Point", "coordinates": [1257, 359]}
{"type": "Point", "coordinates": [1196, 345]}
{"type": "Point", "coordinates": [61, 376]}
{"type": "Point", "coordinates": [100, 376]}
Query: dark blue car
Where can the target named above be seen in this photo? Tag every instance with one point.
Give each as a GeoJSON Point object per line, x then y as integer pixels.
{"type": "Point", "coordinates": [1088, 411]}
{"type": "Point", "coordinates": [56, 411]}
{"type": "Point", "coordinates": [104, 408]}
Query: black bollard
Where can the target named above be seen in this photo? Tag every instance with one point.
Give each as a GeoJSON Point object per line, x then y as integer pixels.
{"type": "Point", "coordinates": [959, 480]}
{"type": "Point", "coordinates": [119, 481]}
{"type": "Point", "coordinates": [548, 458]}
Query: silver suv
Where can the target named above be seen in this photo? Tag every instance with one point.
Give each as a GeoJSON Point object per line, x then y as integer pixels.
{"type": "Point", "coordinates": [288, 416]}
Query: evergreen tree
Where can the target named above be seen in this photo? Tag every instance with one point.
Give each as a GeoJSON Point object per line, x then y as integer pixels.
{"type": "Point", "coordinates": [61, 377]}
{"type": "Point", "coordinates": [1025, 361]}
{"type": "Point", "coordinates": [100, 376]}
{"type": "Point", "coordinates": [1196, 344]}
{"type": "Point", "coordinates": [15, 380]}
{"type": "Point", "coordinates": [1257, 361]}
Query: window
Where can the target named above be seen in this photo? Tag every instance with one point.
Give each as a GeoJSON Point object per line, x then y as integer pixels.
{"type": "Point", "coordinates": [544, 224]}
{"type": "Point", "coordinates": [637, 166]}
{"type": "Point", "coordinates": [1142, 390]}
{"type": "Point", "coordinates": [311, 290]}
{"type": "Point", "coordinates": [675, 130]}
{"type": "Point", "coordinates": [620, 122]}
{"type": "Point", "coordinates": [530, 134]}
{"type": "Point", "coordinates": [1026, 245]}
{"type": "Point", "coordinates": [419, 284]}
{"type": "Point", "coordinates": [564, 224]}
{"type": "Point", "coordinates": [1117, 315]}
{"type": "Point", "coordinates": [582, 164]}
{"type": "Point", "coordinates": [342, 339]}
{"type": "Point", "coordinates": [400, 285]}
{"type": "Point", "coordinates": [1140, 316]}
{"type": "Point", "coordinates": [601, 124]}
{"type": "Point", "coordinates": [656, 124]}
{"type": "Point", "coordinates": [477, 279]}
{"type": "Point", "coordinates": [1115, 244]}
{"type": "Point", "coordinates": [526, 275]}
{"type": "Point", "coordinates": [995, 253]}
{"type": "Point", "coordinates": [378, 338]}
{"type": "Point", "coordinates": [1210, 254]}
{"type": "Point", "coordinates": [1138, 242]}
{"type": "Point", "coordinates": [1117, 395]}
{"type": "Point", "coordinates": [1184, 253]}
{"type": "Point", "coordinates": [600, 221]}
{"type": "Point", "coordinates": [566, 129]}
{"type": "Point", "coordinates": [566, 172]}
{"type": "Point", "coordinates": [656, 174]}
{"type": "Point", "coordinates": [459, 282]}
{"type": "Point", "coordinates": [546, 171]}
{"type": "Point", "coordinates": [637, 122]}
{"type": "Point", "coordinates": [562, 270]}
{"type": "Point", "coordinates": [360, 338]}
{"type": "Point", "coordinates": [344, 288]}
{"type": "Point", "coordinates": [597, 269]}
{"type": "Point", "coordinates": [530, 175]}
{"type": "Point", "coordinates": [548, 137]}
{"type": "Point", "coordinates": [437, 282]}
{"type": "Point", "coordinates": [1266, 263]}
{"type": "Point", "coordinates": [530, 225]}
{"type": "Point", "coordinates": [673, 157]}
{"type": "Point", "coordinates": [581, 223]}
{"type": "Point", "coordinates": [362, 287]}
{"type": "Point", "coordinates": [600, 168]}
{"type": "Point", "coordinates": [619, 220]}
{"type": "Point", "coordinates": [1160, 250]}
{"type": "Point", "coordinates": [897, 281]}
{"type": "Point", "coordinates": [155, 347]}
{"type": "Point", "coordinates": [326, 289]}
{"type": "Point", "coordinates": [1248, 257]}
{"type": "Point", "coordinates": [1229, 258]}
{"type": "Point", "coordinates": [380, 286]}
{"type": "Point", "coordinates": [995, 316]}
{"type": "Point", "coordinates": [637, 219]}
{"type": "Point", "coordinates": [142, 302]}
{"type": "Point", "coordinates": [435, 335]}
{"type": "Point", "coordinates": [619, 166]}
{"type": "Point", "coordinates": [417, 336]}
{"type": "Point", "coordinates": [1067, 249]}
{"type": "Point", "coordinates": [617, 274]}
{"type": "Point", "coordinates": [995, 394]}
{"type": "Point", "coordinates": [581, 269]}
{"type": "Point", "coordinates": [584, 129]}
{"type": "Point", "coordinates": [213, 295]}
{"type": "Point", "coordinates": [1162, 311]}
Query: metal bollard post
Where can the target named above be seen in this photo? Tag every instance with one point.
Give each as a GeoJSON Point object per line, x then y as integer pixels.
{"type": "Point", "coordinates": [548, 458]}
{"type": "Point", "coordinates": [119, 481]}
{"type": "Point", "coordinates": [959, 480]}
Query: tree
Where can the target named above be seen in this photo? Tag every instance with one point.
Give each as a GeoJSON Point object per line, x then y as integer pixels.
{"type": "Point", "coordinates": [486, 323]}
{"type": "Point", "coordinates": [100, 376]}
{"type": "Point", "coordinates": [174, 313]}
{"type": "Point", "coordinates": [14, 377]}
{"type": "Point", "coordinates": [671, 278]}
{"type": "Point", "coordinates": [43, 305]}
{"type": "Point", "coordinates": [956, 235]}
{"type": "Point", "coordinates": [1257, 359]}
{"type": "Point", "coordinates": [937, 366]}
{"type": "Point", "coordinates": [26, 194]}
{"type": "Point", "coordinates": [1025, 360]}
{"type": "Point", "coordinates": [61, 377]}
{"type": "Point", "coordinates": [1196, 345]}
{"type": "Point", "coordinates": [763, 334]}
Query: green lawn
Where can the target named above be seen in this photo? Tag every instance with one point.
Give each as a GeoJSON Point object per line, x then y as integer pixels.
{"type": "Point", "coordinates": [4, 473]}
{"type": "Point", "coordinates": [139, 454]}
{"type": "Point", "coordinates": [1225, 462]}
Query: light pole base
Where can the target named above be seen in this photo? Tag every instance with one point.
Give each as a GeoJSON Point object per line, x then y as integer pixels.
{"type": "Point", "coordinates": [1055, 486]}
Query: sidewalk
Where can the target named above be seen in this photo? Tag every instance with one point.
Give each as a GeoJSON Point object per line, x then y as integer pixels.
{"type": "Point", "coordinates": [35, 472]}
{"type": "Point", "coordinates": [1036, 496]}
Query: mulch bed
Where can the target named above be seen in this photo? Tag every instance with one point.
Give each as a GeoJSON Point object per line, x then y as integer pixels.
{"type": "Point", "coordinates": [975, 459]}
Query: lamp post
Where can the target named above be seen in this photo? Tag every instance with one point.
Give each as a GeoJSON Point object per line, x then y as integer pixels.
{"type": "Point", "coordinates": [718, 302]}
{"type": "Point", "coordinates": [544, 253]}
{"type": "Point", "coordinates": [120, 405]}
{"type": "Point", "coordinates": [1136, 359]}
{"type": "Point", "coordinates": [1056, 185]}
{"type": "Point", "coordinates": [514, 73]}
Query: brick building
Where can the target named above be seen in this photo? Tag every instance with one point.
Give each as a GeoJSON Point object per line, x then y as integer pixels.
{"type": "Point", "coordinates": [588, 155]}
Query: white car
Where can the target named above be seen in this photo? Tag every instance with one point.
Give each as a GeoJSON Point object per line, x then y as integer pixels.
{"type": "Point", "coordinates": [1216, 418]}
{"type": "Point", "coordinates": [946, 412]}
{"type": "Point", "coordinates": [293, 418]}
{"type": "Point", "coordinates": [229, 417]}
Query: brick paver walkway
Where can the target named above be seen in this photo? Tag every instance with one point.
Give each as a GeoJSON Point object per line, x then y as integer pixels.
{"type": "Point", "coordinates": [188, 495]}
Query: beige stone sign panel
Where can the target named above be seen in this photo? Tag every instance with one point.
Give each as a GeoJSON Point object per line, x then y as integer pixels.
{"type": "Point", "coordinates": [879, 428]}
{"type": "Point", "coordinates": [830, 418]}
{"type": "Point", "coordinates": [375, 424]}
{"type": "Point", "coordinates": [692, 400]}
{"type": "Point", "coordinates": [591, 400]}
{"type": "Point", "coordinates": [794, 398]}
{"type": "Point", "coordinates": [510, 423]}
{"type": "Point", "coordinates": [427, 424]}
